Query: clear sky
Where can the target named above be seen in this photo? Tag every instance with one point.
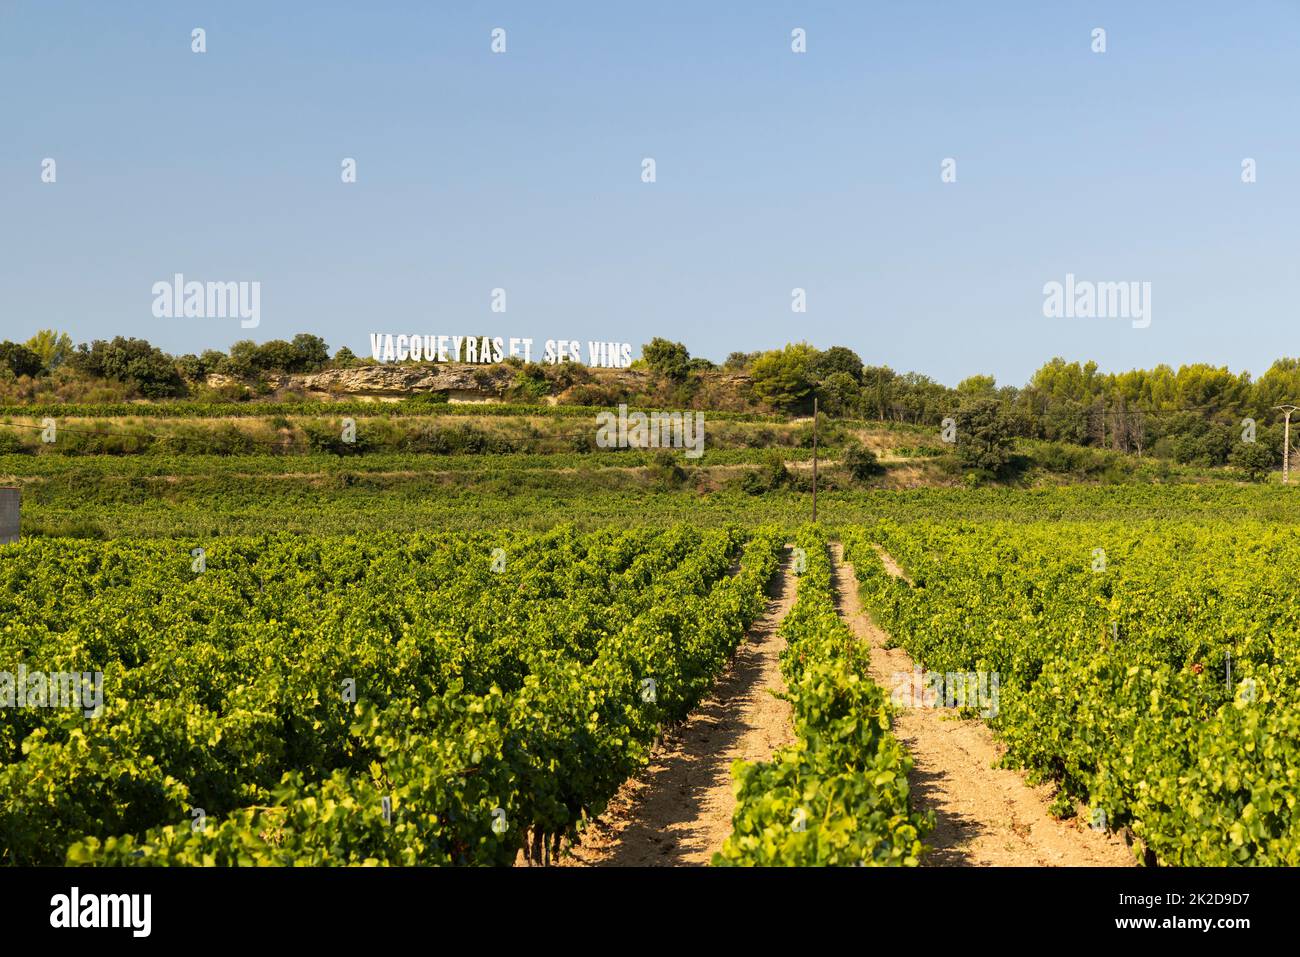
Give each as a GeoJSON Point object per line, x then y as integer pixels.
{"type": "Point", "coordinates": [775, 170]}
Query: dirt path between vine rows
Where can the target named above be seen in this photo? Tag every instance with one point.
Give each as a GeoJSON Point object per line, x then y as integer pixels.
{"type": "Point", "coordinates": [677, 811]}
{"type": "Point", "coordinates": [984, 815]}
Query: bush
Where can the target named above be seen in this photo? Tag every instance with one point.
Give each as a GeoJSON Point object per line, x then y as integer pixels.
{"type": "Point", "coordinates": [594, 394]}
{"type": "Point", "coordinates": [327, 437]}
{"type": "Point", "coordinates": [11, 444]}
{"type": "Point", "coordinates": [828, 433]}
{"type": "Point", "coordinates": [769, 477]}
{"type": "Point", "coordinates": [861, 462]}
{"type": "Point", "coordinates": [666, 471]}
{"type": "Point", "coordinates": [1254, 459]}
{"type": "Point", "coordinates": [226, 439]}
{"type": "Point", "coordinates": [531, 383]}
{"type": "Point", "coordinates": [1058, 457]}
{"type": "Point", "coordinates": [457, 440]}
{"type": "Point", "coordinates": [144, 367]}
{"type": "Point", "coordinates": [63, 528]}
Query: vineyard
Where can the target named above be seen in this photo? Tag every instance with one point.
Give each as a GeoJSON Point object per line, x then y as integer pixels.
{"type": "Point", "coordinates": [1150, 670]}
{"type": "Point", "coordinates": [293, 673]}
{"type": "Point", "coordinates": [425, 699]}
{"type": "Point", "coordinates": [418, 700]}
{"type": "Point", "coordinates": [839, 795]}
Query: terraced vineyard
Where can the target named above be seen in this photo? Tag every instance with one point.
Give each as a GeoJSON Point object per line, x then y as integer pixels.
{"type": "Point", "coordinates": [1150, 669]}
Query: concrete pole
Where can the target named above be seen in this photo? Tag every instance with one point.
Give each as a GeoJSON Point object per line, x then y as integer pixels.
{"type": "Point", "coordinates": [1286, 442]}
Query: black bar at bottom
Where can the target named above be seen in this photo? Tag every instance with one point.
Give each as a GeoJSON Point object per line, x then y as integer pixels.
{"type": "Point", "coordinates": [334, 907]}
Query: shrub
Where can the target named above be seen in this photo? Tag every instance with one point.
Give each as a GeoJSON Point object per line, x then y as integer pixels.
{"type": "Point", "coordinates": [1254, 459]}
{"type": "Point", "coordinates": [770, 476]}
{"type": "Point", "coordinates": [666, 470]}
{"type": "Point", "coordinates": [144, 367]}
{"type": "Point", "coordinates": [11, 444]}
{"type": "Point", "coordinates": [861, 462]}
{"type": "Point", "coordinates": [328, 437]}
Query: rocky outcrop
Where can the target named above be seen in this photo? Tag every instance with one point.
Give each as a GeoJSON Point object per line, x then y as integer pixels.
{"type": "Point", "coordinates": [484, 382]}
{"type": "Point", "coordinates": [458, 382]}
{"type": "Point", "coordinates": [464, 382]}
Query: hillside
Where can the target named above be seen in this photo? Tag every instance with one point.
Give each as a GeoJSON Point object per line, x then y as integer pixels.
{"type": "Point", "coordinates": [463, 382]}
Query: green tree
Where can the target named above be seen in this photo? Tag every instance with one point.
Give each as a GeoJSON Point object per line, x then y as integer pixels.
{"type": "Point", "coordinates": [275, 355]}
{"type": "Point", "coordinates": [983, 436]}
{"type": "Point", "coordinates": [190, 367]}
{"type": "Point", "coordinates": [241, 361]}
{"type": "Point", "coordinates": [1280, 385]}
{"type": "Point", "coordinates": [739, 361]}
{"type": "Point", "coordinates": [19, 360]}
{"type": "Point", "coordinates": [53, 347]}
{"type": "Point", "coordinates": [783, 377]}
{"type": "Point", "coordinates": [311, 354]}
{"type": "Point", "coordinates": [878, 390]}
{"type": "Point", "coordinates": [840, 394]}
{"type": "Point", "coordinates": [978, 386]}
{"type": "Point", "coordinates": [198, 368]}
{"type": "Point", "coordinates": [836, 359]}
{"type": "Point", "coordinates": [669, 359]}
{"type": "Point", "coordinates": [769, 476]}
{"type": "Point", "coordinates": [144, 367]}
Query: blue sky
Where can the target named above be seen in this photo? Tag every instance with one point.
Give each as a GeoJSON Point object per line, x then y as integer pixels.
{"type": "Point", "coordinates": [774, 170]}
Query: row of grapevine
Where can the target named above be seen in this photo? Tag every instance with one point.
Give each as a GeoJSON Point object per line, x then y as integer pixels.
{"type": "Point", "coordinates": [839, 795]}
{"type": "Point", "coordinates": [412, 699]}
{"type": "Point", "coordinates": [1149, 669]}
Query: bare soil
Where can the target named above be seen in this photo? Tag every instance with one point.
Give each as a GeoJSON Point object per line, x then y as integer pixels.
{"type": "Point", "coordinates": [985, 815]}
{"type": "Point", "coordinates": [678, 810]}
{"type": "Point", "coordinates": [891, 566]}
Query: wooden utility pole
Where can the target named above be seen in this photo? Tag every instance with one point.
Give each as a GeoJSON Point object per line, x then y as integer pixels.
{"type": "Point", "coordinates": [814, 459]}
{"type": "Point", "coordinates": [1286, 442]}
